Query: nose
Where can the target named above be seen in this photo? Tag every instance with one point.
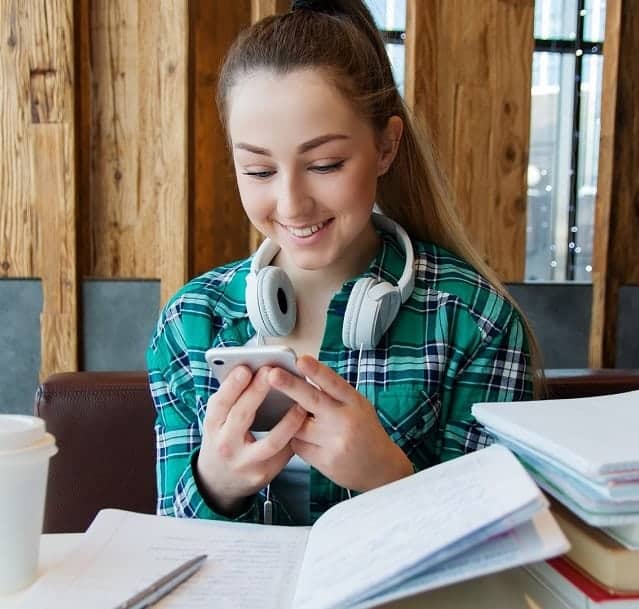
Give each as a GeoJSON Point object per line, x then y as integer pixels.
{"type": "Point", "coordinates": [294, 199]}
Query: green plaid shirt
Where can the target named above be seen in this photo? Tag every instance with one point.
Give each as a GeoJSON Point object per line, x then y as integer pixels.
{"type": "Point", "coordinates": [456, 341]}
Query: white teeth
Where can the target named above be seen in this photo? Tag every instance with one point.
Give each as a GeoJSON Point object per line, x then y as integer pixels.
{"type": "Point", "coordinates": [307, 231]}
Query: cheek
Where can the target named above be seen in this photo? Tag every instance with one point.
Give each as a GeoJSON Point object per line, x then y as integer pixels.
{"type": "Point", "coordinates": [255, 199]}
{"type": "Point", "coordinates": [360, 185]}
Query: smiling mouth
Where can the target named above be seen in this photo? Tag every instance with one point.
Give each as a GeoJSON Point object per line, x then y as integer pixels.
{"type": "Point", "coordinates": [306, 231]}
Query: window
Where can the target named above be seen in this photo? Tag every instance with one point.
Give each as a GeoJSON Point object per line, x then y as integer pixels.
{"type": "Point", "coordinates": [564, 138]}
{"type": "Point", "coordinates": [390, 17]}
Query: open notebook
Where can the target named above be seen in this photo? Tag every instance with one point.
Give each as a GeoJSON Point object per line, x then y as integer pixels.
{"type": "Point", "coordinates": [471, 516]}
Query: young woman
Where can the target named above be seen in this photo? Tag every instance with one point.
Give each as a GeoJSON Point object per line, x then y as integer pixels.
{"type": "Point", "coordinates": [399, 333]}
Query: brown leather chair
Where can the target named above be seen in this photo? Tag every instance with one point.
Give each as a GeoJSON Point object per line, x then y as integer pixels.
{"type": "Point", "coordinates": [103, 424]}
{"type": "Point", "coordinates": [588, 382]}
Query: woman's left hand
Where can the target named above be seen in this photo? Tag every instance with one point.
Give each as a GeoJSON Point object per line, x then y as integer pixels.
{"type": "Point", "coordinates": [344, 438]}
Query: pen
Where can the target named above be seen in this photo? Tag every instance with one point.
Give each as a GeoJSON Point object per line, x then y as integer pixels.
{"type": "Point", "coordinates": [153, 593]}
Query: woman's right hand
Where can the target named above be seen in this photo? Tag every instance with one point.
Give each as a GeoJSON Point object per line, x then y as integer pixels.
{"type": "Point", "coordinates": [232, 465]}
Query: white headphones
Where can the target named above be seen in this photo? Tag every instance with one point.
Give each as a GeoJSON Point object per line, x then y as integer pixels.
{"type": "Point", "coordinates": [372, 305]}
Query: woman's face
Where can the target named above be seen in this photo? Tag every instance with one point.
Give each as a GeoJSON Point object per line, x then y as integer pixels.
{"type": "Point", "coordinates": [306, 165]}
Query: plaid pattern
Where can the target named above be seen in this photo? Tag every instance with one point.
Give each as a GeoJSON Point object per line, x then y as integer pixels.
{"type": "Point", "coordinates": [456, 341]}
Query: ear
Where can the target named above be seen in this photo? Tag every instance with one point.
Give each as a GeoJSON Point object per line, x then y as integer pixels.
{"type": "Point", "coordinates": [389, 144]}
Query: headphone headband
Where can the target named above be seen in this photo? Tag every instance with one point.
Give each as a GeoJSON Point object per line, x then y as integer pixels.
{"type": "Point", "coordinates": [268, 249]}
{"type": "Point", "coordinates": [406, 283]}
{"type": "Point", "coordinates": [372, 305]}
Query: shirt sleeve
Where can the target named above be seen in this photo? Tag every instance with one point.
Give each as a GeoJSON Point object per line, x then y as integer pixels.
{"type": "Point", "coordinates": [499, 370]}
{"type": "Point", "coordinates": [178, 429]}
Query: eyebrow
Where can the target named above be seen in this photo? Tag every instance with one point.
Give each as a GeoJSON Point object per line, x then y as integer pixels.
{"type": "Point", "coordinates": [305, 147]}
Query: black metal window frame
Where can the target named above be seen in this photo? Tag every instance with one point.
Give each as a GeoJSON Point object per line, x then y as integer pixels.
{"type": "Point", "coordinates": [393, 36]}
{"type": "Point", "coordinates": [578, 47]}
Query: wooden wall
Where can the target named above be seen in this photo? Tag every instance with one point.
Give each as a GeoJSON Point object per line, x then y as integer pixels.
{"type": "Point", "coordinates": [468, 77]}
{"type": "Point", "coordinates": [114, 163]}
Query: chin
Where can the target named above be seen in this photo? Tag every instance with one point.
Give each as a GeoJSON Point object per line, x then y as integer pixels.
{"type": "Point", "coordinates": [310, 262]}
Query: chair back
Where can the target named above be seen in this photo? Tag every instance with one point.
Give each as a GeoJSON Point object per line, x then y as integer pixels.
{"type": "Point", "coordinates": [103, 425]}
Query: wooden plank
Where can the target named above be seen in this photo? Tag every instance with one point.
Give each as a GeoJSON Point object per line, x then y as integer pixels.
{"type": "Point", "coordinates": [616, 247]}
{"type": "Point", "coordinates": [17, 217]}
{"type": "Point", "coordinates": [510, 53]}
{"type": "Point", "coordinates": [468, 75]}
{"type": "Point", "coordinates": [112, 201]}
{"type": "Point", "coordinates": [472, 171]}
{"type": "Point", "coordinates": [219, 228]}
{"type": "Point", "coordinates": [137, 199]}
{"type": "Point", "coordinates": [264, 8]}
{"type": "Point", "coordinates": [163, 154]}
{"type": "Point", "coordinates": [53, 169]}
{"type": "Point", "coordinates": [37, 181]}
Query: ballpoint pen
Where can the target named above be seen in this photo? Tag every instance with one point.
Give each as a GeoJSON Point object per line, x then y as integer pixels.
{"type": "Point", "coordinates": [153, 593]}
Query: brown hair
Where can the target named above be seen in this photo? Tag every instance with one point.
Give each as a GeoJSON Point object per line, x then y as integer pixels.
{"type": "Point", "coordinates": [340, 38]}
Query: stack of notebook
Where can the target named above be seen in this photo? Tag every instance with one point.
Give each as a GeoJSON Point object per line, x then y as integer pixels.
{"type": "Point", "coordinates": [585, 454]}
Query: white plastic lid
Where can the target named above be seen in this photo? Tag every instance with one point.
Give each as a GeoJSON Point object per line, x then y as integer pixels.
{"type": "Point", "coordinates": [20, 431]}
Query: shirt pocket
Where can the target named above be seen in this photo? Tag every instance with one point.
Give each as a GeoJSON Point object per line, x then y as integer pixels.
{"type": "Point", "coordinates": [410, 416]}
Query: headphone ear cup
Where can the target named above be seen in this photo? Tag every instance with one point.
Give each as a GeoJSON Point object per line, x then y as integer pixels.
{"type": "Point", "coordinates": [358, 327]}
{"type": "Point", "coordinates": [371, 309]}
{"type": "Point", "coordinates": [270, 302]}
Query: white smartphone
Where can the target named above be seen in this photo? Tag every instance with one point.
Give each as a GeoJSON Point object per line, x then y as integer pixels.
{"type": "Point", "coordinates": [222, 360]}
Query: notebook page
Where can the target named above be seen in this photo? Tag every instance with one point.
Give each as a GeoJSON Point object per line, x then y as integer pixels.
{"type": "Point", "coordinates": [536, 540]}
{"type": "Point", "coordinates": [584, 433]}
{"type": "Point", "coordinates": [380, 534]}
{"type": "Point", "coordinates": [248, 565]}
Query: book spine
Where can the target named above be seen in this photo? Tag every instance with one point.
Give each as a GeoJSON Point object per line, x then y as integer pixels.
{"type": "Point", "coordinates": [560, 586]}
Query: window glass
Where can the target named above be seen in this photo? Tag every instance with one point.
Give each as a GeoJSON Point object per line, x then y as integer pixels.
{"type": "Point", "coordinates": [594, 20]}
{"type": "Point", "coordinates": [388, 14]}
{"type": "Point", "coordinates": [556, 19]}
{"type": "Point", "coordinates": [590, 120]}
{"type": "Point", "coordinates": [549, 166]}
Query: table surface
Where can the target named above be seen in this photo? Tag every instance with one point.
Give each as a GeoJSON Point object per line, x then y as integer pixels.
{"type": "Point", "coordinates": [513, 589]}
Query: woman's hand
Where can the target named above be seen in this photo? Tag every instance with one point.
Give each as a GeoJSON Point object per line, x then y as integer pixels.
{"type": "Point", "coordinates": [232, 464]}
{"type": "Point", "coordinates": [344, 438]}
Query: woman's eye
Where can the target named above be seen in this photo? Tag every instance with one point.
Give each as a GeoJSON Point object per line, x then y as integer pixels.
{"type": "Point", "coordinates": [327, 168]}
{"type": "Point", "coordinates": [260, 174]}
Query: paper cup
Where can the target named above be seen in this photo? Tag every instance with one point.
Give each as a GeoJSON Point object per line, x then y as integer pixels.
{"type": "Point", "coordinates": [25, 449]}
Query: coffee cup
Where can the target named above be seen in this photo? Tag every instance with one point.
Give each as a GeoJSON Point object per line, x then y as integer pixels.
{"type": "Point", "coordinates": [25, 449]}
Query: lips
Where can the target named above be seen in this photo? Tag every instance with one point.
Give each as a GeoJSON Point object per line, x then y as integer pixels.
{"type": "Point", "coordinates": [306, 231]}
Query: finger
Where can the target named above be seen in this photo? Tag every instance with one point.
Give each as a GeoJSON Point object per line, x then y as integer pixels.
{"type": "Point", "coordinates": [309, 432]}
{"type": "Point", "coordinates": [311, 453]}
{"type": "Point", "coordinates": [324, 377]}
{"type": "Point", "coordinates": [277, 463]}
{"type": "Point", "coordinates": [307, 396]}
{"type": "Point", "coordinates": [242, 414]}
{"type": "Point", "coordinates": [280, 435]}
{"type": "Point", "coordinates": [220, 403]}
